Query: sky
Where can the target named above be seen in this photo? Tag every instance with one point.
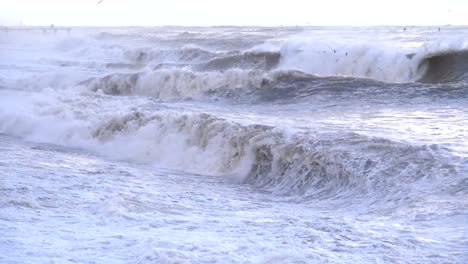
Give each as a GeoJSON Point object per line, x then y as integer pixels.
{"type": "Point", "coordinates": [234, 12]}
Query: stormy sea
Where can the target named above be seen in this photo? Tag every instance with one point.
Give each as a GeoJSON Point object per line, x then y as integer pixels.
{"type": "Point", "coordinates": [234, 145]}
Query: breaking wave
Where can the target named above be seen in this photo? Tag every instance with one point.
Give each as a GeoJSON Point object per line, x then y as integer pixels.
{"type": "Point", "coordinates": [248, 72]}
{"type": "Point", "coordinates": [433, 63]}
{"type": "Point", "coordinates": [311, 165]}
{"type": "Point", "coordinates": [288, 162]}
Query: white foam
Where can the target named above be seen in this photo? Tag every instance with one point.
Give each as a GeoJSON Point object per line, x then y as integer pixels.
{"type": "Point", "coordinates": [357, 60]}
{"type": "Point", "coordinates": [383, 61]}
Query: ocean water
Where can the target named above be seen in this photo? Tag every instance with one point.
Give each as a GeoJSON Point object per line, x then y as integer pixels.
{"type": "Point", "coordinates": [234, 145]}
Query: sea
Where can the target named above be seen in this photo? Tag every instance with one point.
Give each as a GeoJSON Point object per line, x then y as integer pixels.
{"type": "Point", "coordinates": [234, 145]}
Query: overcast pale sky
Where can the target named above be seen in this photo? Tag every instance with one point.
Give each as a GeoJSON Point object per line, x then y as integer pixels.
{"type": "Point", "coordinates": [235, 12]}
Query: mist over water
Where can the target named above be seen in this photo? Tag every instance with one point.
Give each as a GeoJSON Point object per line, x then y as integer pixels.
{"type": "Point", "coordinates": [234, 145]}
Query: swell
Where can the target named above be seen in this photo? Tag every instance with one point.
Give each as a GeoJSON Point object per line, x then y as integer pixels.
{"type": "Point", "coordinates": [182, 55]}
{"type": "Point", "coordinates": [246, 60]}
{"type": "Point", "coordinates": [203, 60]}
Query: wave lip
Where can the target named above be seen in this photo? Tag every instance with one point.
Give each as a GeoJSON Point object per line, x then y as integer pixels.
{"type": "Point", "coordinates": [442, 67]}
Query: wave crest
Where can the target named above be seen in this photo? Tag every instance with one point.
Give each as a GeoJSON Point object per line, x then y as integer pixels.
{"type": "Point", "coordinates": [182, 55]}
{"type": "Point", "coordinates": [432, 62]}
{"type": "Point", "coordinates": [247, 60]}
{"type": "Point", "coordinates": [168, 84]}
{"type": "Point", "coordinates": [445, 67]}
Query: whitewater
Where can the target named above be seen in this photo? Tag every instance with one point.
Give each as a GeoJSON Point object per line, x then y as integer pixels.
{"type": "Point", "coordinates": [234, 145]}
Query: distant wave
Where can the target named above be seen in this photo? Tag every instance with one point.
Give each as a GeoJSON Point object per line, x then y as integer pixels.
{"type": "Point", "coordinates": [444, 60]}
{"type": "Point", "coordinates": [247, 60]}
{"type": "Point", "coordinates": [146, 55]}
{"type": "Point", "coordinates": [295, 67]}
{"type": "Point", "coordinates": [177, 83]}
{"type": "Point", "coordinates": [358, 61]}
{"type": "Point", "coordinates": [203, 60]}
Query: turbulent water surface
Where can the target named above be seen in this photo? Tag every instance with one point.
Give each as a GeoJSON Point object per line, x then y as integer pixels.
{"type": "Point", "coordinates": [234, 145]}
